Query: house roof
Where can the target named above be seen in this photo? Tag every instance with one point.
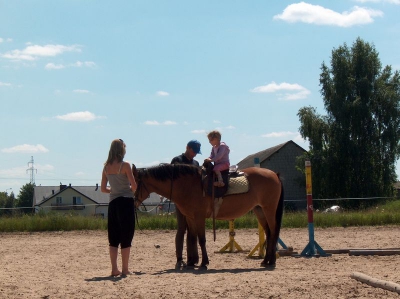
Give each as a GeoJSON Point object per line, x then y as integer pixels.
{"type": "Point", "coordinates": [263, 155]}
{"type": "Point", "coordinates": [44, 193]}
{"type": "Point", "coordinates": [397, 185]}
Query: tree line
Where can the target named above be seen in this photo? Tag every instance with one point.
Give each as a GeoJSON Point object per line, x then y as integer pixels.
{"type": "Point", "coordinates": [9, 203]}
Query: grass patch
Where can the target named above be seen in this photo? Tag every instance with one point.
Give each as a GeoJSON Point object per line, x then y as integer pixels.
{"type": "Point", "coordinates": [386, 214]}
{"type": "Point", "coordinates": [50, 222]}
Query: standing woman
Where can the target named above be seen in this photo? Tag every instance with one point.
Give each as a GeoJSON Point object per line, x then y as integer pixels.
{"type": "Point", "coordinates": [121, 208]}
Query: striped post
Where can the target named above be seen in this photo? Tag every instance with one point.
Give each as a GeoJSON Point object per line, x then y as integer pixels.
{"type": "Point", "coordinates": [312, 249]}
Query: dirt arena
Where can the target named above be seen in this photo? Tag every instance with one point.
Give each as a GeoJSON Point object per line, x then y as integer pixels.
{"type": "Point", "coordinates": [76, 265]}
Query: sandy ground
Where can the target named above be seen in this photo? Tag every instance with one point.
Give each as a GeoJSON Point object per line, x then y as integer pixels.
{"type": "Point", "coordinates": [76, 265]}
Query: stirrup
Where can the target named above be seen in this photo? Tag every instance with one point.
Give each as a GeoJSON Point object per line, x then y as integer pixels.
{"type": "Point", "coordinates": [219, 184]}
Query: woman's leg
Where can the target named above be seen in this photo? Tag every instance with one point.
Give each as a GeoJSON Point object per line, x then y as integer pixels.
{"type": "Point", "coordinates": [125, 260]}
{"type": "Point", "coordinates": [113, 259]}
{"type": "Point", "coordinates": [113, 238]}
{"type": "Point", "coordinates": [127, 224]}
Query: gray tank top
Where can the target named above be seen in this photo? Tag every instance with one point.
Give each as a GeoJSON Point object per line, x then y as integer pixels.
{"type": "Point", "coordinates": [119, 183]}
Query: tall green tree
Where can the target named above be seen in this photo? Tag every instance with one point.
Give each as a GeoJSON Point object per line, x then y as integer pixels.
{"type": "Point", "coordinates": [354, 148]}
{"type": "Point", "coordinates": [25, 197]}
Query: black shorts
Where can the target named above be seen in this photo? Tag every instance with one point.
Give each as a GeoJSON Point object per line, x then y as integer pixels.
{"type": "Point", "coordinates": [121, 222]}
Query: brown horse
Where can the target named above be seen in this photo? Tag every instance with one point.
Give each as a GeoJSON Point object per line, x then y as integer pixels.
{"type": "Point", "coordinates": [183, 185]}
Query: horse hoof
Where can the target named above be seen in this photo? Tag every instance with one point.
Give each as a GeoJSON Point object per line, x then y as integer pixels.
{"type": "Point", "coordinates": [189, 267]}
{"type": "Point", "coordinates": [180, 265]}
{"type": "Point", "coordinates": [203, 268]}
{"type": "Point", "coordinates": [267, 265]}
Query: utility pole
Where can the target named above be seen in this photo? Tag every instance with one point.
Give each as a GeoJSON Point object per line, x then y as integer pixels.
{"type": "Point", "coordinates": [32, 170]}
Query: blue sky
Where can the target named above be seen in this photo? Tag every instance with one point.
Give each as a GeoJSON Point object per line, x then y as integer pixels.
{"type": "Point", "coordinates": [76, 74]}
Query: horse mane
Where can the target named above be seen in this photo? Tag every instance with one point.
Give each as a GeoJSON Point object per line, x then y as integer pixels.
{"type": "Point", "coordinates": [166, 171]}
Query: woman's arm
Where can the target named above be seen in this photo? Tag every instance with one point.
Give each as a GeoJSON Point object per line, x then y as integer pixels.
{"type": "Point", "coordinates": [104, 182]}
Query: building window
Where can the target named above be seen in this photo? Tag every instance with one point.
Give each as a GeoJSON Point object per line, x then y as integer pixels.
{"type": "Point", "coordinates": [77, 200]}
{"type": "Point", "coordinates": [58, 200]}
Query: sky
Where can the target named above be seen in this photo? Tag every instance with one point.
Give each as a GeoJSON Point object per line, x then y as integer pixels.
{"type": "Point", "coordinates": [76, 74]}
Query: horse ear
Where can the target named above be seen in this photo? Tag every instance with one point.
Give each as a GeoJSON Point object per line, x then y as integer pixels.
{"type": "Point", "coordinates": [134, 170]}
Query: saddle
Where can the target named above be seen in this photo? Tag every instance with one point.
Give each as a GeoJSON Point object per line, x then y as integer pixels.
{"type": "Point", "coordinates": [235, 181]}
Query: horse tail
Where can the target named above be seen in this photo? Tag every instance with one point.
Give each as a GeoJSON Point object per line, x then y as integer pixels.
{"type": "Point", "coordinates": [279, 210]}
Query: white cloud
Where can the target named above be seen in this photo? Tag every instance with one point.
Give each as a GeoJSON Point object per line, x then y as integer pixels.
{"type": "Point", "coordinates": [52, 66]}
{"type": "Point", "coordinates": [156, 123]}
{"type": "Point", "coordinates": [26, 149]}
{"type": "Point", "coordinates": [34, 52]}
{"type": "Point", "coordinates": [169, 123]}
{"type": "Point", "coordinates": [2, 40]}
{"type": "Point", "coordinates": [151, 123]}
{"type": "Point", "coordinates": [279, 134]}
{"type": "Point", "coordinates": [81, 91]}
{"type": "Point", "coordinates": [46, 167]}
{"type": "Point", "coordinates": [162, 93]}
{"type": "Point", "coordinates": [230, 127]}
{"type": "Point", "coordinates": [15, 172]}
{"type": "Point", "coordinates": [198, 131]}
{"type": "Point", "coordinates": [316, 14]}
{"type": "Point", "coordinates": [5, 84]}
{"type": "Point", "coordinates": [84, 63]}
{"type": "Point", "coordinates": [78, 116]}
{"type": "Point", "coordinates": [302, 94]}
{"type": "Point", "coordinates": [293, 91]}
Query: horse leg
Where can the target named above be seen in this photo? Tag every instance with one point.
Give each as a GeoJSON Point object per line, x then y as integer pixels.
{"type": "Point", "coordinates": [204, 255]}
{"type": "Point", "coordinates": [192, 252]}
{"type": "Point", "coordinates": [261, 219]}
{"type": "Point", "coordinates": [271, 239]}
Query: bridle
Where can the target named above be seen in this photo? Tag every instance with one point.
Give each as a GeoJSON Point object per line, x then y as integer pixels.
{"type": "Point", "coordinates": [141, 185]}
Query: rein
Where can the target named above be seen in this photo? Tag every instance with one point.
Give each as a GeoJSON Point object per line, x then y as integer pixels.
{"type": "Point", "coordinates": [139, 188]}
{"type": "Point", "coordinates": [172, 184]}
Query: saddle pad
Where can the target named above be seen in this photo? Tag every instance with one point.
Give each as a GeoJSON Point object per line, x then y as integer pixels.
{"type": "Point", "coordinates": [238, 185]}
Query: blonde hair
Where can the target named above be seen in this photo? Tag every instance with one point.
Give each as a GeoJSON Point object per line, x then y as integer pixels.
{"type": "Point", "coordinates": [214, 134]}
{"type": "Point", "coordinates": [117, 151]}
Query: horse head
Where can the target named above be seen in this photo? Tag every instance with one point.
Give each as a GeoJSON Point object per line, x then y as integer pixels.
{"type": "Point", "coordinates": [141, 192]}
